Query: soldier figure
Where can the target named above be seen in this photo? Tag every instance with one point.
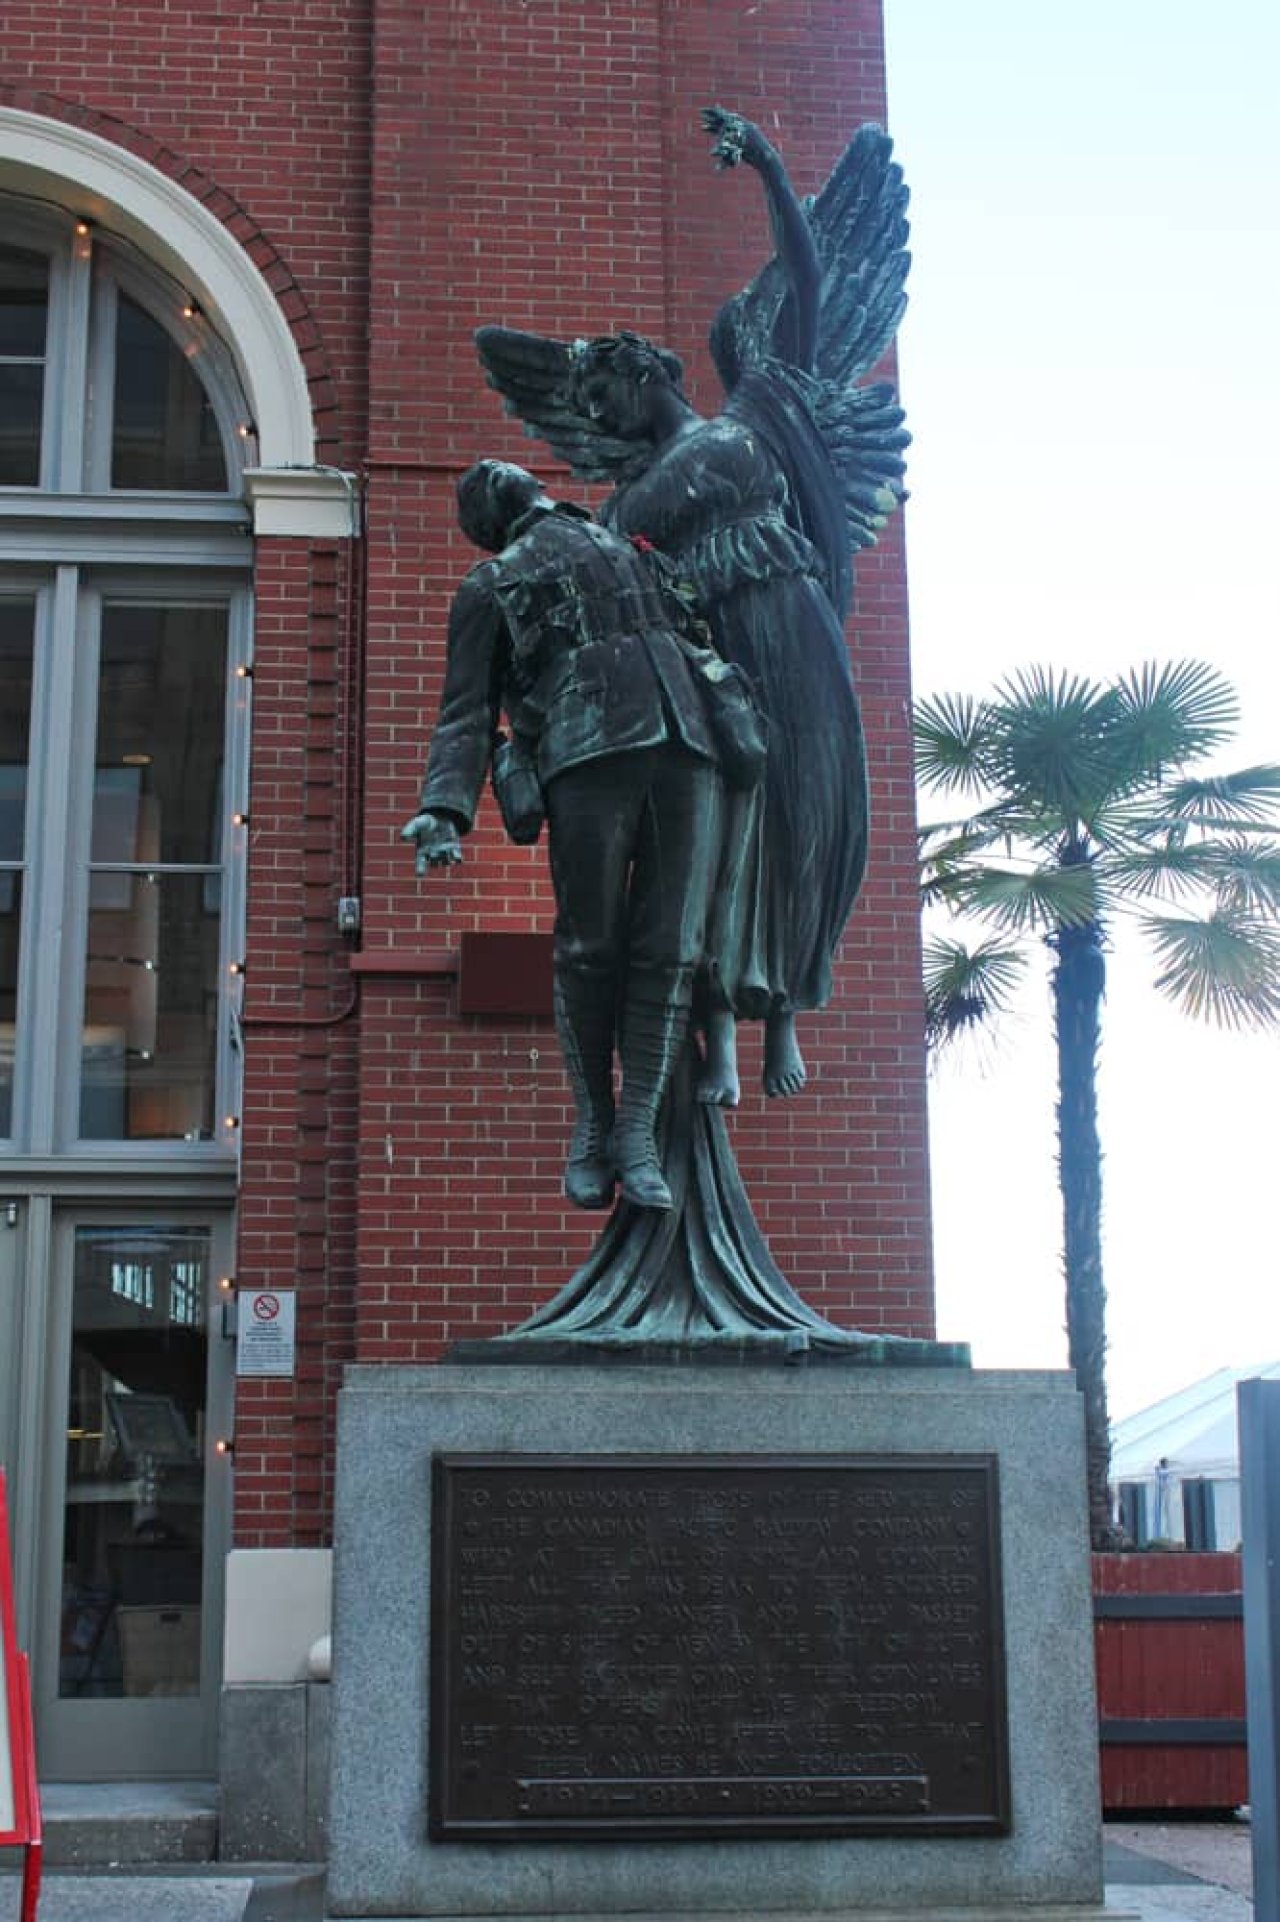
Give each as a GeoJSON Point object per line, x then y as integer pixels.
{"type": "Point", "coordinates": [568, 629]}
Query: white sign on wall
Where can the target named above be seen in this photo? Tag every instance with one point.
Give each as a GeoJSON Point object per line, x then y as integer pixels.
{"type": "Point", "coordinates": [266, 1331]}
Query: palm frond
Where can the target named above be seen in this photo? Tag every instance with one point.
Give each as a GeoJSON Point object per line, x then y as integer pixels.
{"type": "Point", "coordinates": [1224, 967]}
{"type": "Point", "coordinates": [966, 987]}
{"type": "Point", "coordinates": [1173, 870]}
{"type": "Point", "coordinates": [1249, 798]}
{"type": "Point", "coordinates": [1049, 751]}
{"type": "Point", "coordinates": [1246, 874]}
{"type": "Point", "coordinates": [951, 732]}
{"type": "Point", "coordinates": [1169, 713]}
{"type": "Point", "coordinates": [950, 844]}
{"type": "Point", "coordinates": [1020, 901]}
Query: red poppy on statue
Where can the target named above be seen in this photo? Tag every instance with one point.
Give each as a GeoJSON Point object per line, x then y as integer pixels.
{"type": "Point", "coordinates": [641, 543]}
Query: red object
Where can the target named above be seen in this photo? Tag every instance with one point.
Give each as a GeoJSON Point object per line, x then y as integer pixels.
{"type": "Point", "coordinates": [27, 1831]}
{"type": "Point", "coordinates": [505, 974]}
{"type": "Point", "coordinates": [1171, 1690]}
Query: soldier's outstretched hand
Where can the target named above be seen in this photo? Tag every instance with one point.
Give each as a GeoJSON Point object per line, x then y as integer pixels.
{"type": "Point", "coordinates": [438, 842]}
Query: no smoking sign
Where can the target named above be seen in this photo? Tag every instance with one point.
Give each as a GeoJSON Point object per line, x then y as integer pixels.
{"type": "Point", "coordinates": [265, 1332]}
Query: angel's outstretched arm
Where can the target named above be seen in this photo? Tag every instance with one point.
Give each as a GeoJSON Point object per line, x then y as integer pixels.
{"type": "Point", "coordinates": [740, 142]}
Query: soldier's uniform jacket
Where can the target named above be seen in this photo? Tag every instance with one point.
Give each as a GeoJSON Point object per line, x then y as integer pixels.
{"type": "Point", "coordinates": [570, 632]}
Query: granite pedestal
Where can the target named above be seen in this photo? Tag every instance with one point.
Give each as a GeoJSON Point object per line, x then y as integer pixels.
{"type": "Point", "coordinates": [394, 1421]}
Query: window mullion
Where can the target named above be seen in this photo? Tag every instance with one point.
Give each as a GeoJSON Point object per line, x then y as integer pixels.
{"type": "Point", "coordinates": [69, 779]}
{"type": "Point", "coordinates": [48, 827]}
{"type": "Point", "coordinates": [230, 1067]}
{"type": "Point", "coordinates": [66, 375]}
{"type": "Point", "coordinates": [99, 411]}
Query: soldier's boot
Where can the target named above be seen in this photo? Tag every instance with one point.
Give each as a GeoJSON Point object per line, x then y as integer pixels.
{"type": "Point", "coordinates": [655, 1021]}
{"type": "Point", "coordinates": [586, 1010]}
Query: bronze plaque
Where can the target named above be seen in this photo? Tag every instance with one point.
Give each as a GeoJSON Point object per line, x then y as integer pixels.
{"type": "Point", "coordinates": [716, 1646]}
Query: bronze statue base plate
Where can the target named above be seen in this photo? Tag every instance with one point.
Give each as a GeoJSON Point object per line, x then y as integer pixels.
{"type": "Point", "coordinates": [789, 1350]}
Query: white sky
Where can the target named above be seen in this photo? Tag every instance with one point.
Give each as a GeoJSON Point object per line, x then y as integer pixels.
{"type": "Point", "coordinates": [1089, 367]}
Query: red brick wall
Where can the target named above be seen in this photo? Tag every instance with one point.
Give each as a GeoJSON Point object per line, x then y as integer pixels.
{"type": "Point", "coordinates": [404, 171]}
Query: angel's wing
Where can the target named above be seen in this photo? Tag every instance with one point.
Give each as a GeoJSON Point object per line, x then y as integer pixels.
{"type": "Point", "coordinates": [840, 449]}
{"type": "Point", "coordinates": [860, 223]}
{"type": "Point", "coordinates": [859, 227]}
{"type": "Point", "coordinates": [863, 432]}
{"type": "Point", "coordinates": [534, 375]}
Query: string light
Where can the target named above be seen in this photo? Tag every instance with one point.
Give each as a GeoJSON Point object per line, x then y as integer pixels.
{"type": "Point", "coordinates": [244, 672]}
{"type": "Point", "coordinates": [224, 1446]}
{"type": "Point", "coordinates": [191, 309]}
{"type": "Point", "coordinates": [235, 967]}
{"type": "Point", "coordinates": [227, 1284]}
{"type": "Point", "coordinates": [231, 1121]}
{"type": "Point", "coordinates": [240, 820]}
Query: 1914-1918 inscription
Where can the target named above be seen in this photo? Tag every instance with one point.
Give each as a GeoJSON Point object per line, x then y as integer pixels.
{"type": "Point", "coordinates": [730, 1645]}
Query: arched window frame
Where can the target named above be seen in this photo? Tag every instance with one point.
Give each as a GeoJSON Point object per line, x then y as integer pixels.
{"type": "Point", "coordinates": [289, 493]}
{"type": "Point", "coordinates": [87, 272]}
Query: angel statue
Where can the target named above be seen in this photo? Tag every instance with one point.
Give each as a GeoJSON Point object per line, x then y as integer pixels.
{"type": "Point", "coordinates": [761, 508]}
{"type": "Point", "coordinates": [756, 513]}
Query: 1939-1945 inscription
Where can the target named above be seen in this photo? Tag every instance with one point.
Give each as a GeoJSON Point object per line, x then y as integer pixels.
{"type": "Point", "coordinates": [669, 1646]}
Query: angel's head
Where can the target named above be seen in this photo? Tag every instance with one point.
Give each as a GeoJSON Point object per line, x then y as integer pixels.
{"type": "Point", "coordinates": [492, 496]}
{"type": "Point", "coordinates": [622, 380]}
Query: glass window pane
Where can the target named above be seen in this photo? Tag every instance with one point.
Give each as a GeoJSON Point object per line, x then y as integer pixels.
{"type": "Point", "coordinates": [133, 1527]}
{"type": "Point", "coordinates": [165, 433]}
{"type": "Point", "coordinates": [24, 311]}
{"type": "Point", "coordinates": [17, 635]}
{"type": "Point", "coordinates": [17, 645]}
{"type": "Point", "coordinates": [161, 700]}
{"type": "Point", "coordinates": [10, 932]}
{"type": "Point", "coordinates": [21, 401]}
{"type": "Point", "coordinates": [151, 1008]}
{"type": "Point", "coordinates": [24, 303]}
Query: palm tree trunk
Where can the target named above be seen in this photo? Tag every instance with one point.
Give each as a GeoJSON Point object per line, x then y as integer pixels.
{"type": "Point", "coordinates": [1079, 977]}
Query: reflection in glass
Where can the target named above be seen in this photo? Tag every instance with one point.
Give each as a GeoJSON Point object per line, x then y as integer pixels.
{"type": "Point", "coordinates": [21, 401]}
{"type": "Point", "coordinates": [161, 722]}
{"type": "Point", "coordinates": [17, 624]}
{"type": "Point", "coordinates": [165, 434]}
{"type": "Point", "coordinates": [24, 304]}
{"type": "Point", "coordinates": [152, 974]}
{"type": "Point", "coordinates": [134, 1507]}
{"type": "Point", "coordinates": [10, 933]}
{"type": "Point", "coordinates": [24, 307]}
{"type": "Point", "coordinates": [151, 1008]}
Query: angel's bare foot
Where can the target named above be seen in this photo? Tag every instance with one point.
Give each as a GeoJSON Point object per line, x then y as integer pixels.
{"type": "Point", "coordinates": [718, 1084]}
{"type": "Point", "coordinates": [784, 1069]}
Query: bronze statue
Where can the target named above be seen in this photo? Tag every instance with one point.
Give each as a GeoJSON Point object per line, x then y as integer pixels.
{"type": "Point", "coordinates": [596, 664]}
{"type": "Point", "coordinates": [754, 516]}
{"type": "Point", "coordinates": [760, 509]}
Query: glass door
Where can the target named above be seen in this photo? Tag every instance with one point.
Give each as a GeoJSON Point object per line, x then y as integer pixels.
{"type": "Point", "coordinates": [136, 1501]}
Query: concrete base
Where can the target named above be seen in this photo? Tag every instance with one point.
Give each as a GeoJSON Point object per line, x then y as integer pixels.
{"type": "Point", "coordinates": [393, 1420]}
{"type": "Point", "coordinates": [134, 1898]}
{"type": "Point", "coordinates": [88, 1824]}
{"type": "Point", "coordinates": [982, 1912]}
{"type": "Point", "coordinates": [274, 1740]}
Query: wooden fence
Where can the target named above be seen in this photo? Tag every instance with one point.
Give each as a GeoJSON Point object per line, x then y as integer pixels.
{"type": "Point", "coordinates": [1169, 1638]}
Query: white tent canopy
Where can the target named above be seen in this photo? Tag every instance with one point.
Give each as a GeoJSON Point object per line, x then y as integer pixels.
{"type": "Point", "coordinates": [1191, 1433]}
{"type": "Point", "coordinates": [1187, 1437]}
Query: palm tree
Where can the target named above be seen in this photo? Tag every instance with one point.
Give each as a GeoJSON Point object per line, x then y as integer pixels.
{"type": "Point", "coordinates": [1084, 807]}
